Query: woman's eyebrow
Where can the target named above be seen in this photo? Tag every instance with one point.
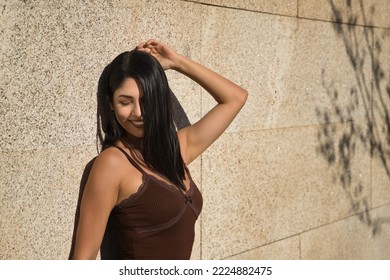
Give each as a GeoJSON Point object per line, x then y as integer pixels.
{"type": "Point", "coordinates": [125, 96]}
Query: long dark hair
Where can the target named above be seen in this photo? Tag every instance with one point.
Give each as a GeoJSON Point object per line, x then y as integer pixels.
{"type": "Point", "coordinates": [160, 145]}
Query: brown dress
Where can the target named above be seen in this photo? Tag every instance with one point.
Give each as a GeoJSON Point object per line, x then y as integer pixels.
{"type": "Point", "coordinates": [156, 222]}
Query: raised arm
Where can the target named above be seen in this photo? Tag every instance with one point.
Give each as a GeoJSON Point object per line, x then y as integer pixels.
{"type": "Point", "coordinates": [230, 99]}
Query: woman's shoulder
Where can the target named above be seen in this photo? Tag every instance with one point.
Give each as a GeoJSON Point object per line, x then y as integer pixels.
{"type": "Point", "coordinates": [111, 158]}
{"type": "Point", "coordinates": [109, 168]}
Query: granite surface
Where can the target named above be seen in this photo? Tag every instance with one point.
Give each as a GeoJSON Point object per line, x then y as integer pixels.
{"type": "Point", "coordinates": [301, 173]}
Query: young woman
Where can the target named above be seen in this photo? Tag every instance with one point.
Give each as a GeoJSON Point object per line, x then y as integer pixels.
{"type": "Point", "coordinates": [139, 184]}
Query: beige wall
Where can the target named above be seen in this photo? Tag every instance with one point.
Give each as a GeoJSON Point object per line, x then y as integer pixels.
{"type": "Point", "coordinates": [302, 173]}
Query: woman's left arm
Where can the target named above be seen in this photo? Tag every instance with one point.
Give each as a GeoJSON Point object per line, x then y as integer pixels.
{"type": "Point", "coordinates": [230, 99]}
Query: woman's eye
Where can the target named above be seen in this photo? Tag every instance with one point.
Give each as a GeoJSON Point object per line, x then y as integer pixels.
{"type": "Point", "coordinates": [125, 102]}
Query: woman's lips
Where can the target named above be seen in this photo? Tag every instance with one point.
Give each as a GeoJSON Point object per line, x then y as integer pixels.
{"type": "Point", "coordinates": [138, 124]}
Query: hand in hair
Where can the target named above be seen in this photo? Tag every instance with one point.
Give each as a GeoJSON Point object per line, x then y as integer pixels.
{"type": "Point", "coordinates": [230, 98]}
{"type": "Point", "coordinates": [164, 54]}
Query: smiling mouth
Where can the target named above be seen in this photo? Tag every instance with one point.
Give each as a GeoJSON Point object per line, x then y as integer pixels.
{"type": "Point", "coordinates": [138, 124]}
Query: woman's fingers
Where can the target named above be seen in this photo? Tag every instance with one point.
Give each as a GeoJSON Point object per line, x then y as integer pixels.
{"type": "Point", "coordinates": [141, 45]}
{"type": "Point", "coordinates": [148, 46]}
{"type": "Point", "coordinates": [160, 51]}
{"type": "Point", "coordinates": [151, 42]}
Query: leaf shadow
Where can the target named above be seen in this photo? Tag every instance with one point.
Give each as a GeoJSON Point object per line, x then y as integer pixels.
{"type": "Point", "coordinates": [344, 134]}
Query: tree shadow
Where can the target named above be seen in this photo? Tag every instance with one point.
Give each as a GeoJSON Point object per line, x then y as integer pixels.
{"type": "Point", "coordinates": [110, 248]}
{"type": "Point", "coordinates": [338, 144]}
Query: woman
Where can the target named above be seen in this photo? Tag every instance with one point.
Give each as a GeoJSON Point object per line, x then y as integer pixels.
{"type": "Point", "coordinates": [139, 184]}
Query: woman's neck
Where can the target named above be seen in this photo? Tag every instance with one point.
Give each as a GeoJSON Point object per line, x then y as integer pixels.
{"type": "Point", "coordinates": [132, 142]}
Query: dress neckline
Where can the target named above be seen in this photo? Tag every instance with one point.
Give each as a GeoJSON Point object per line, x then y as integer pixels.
{"type": "Point", "coordinates": [164, 182]}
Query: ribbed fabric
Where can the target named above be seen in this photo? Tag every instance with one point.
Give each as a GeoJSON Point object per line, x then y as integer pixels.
{"type": "Point", "coordinates": [157, 222]}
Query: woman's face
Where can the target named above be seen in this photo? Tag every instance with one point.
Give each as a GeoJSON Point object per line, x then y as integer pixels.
{"type": "Point", "coordinates": [127, 107]}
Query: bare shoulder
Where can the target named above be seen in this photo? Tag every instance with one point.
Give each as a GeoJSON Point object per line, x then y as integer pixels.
{"type": "Point", "coordinates": [109, 163]}
{"type": "Point", "coordinates": [111, 157]}
{"type": "Point", "coordinates": [103, 183]}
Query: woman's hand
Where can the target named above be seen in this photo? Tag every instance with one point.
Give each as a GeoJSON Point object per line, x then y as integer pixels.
{"type": "Point", "coordinates": [164, 54]}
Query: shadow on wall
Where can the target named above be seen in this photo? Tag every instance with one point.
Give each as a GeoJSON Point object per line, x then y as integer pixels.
{"type": "Point", "coordinates": [338, 144]}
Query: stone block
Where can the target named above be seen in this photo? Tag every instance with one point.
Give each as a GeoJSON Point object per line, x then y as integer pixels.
{"type": "Point", "coordinates": [350, 239]}
{"type": "Point", "coordinates": [293, 69]}
{"type": "Point", "coordinates": [38, 201]}
{"type": "Point", "coordinates": [264, 186]}
{"type": "Point", "coordinates": [361, 12]}
{"type": "Point", "coordinates": [49, 75]}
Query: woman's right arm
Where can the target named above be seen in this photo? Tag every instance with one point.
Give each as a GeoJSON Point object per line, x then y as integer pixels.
{"type": "Point", "coordinates": [99, 197]}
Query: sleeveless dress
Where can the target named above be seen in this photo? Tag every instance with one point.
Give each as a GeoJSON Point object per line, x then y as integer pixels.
{"type": "Point", "coordinates": [156, 222]}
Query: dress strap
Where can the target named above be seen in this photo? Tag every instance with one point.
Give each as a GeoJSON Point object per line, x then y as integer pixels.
{"type": "Point", "coordinates": [132, 161]}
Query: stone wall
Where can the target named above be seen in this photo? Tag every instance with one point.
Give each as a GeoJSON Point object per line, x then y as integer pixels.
{"type": "Point", "coordinates": [302, 173]}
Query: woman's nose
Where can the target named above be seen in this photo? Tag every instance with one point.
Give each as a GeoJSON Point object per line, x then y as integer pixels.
{"type": "Point", "coordinates": [137, 112]}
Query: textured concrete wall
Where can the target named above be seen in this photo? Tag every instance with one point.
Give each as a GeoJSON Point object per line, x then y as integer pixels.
{"type": "Point", "coordinates": [302, 173]}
